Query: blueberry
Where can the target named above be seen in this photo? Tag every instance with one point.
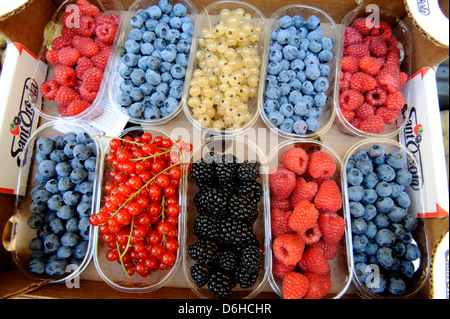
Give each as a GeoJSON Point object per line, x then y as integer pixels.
{"type": "Point", "coordinates": [324, 69]}
{"type": "Point", "coordinates": [37, 265]}
{"type": "Point", "coordinates": [396, 189]}
{"type": "Point", "coordinates": [175, 23]}
{"type": "Point", "coordinates": [84, 226]}
{"type": "Point", "coordinates": [72, 225]}
{"type": "Point", "coordinates": [274, 68]}
{"type": "Point", "coordinates": [315, 46]}
{"type": "Point", "coordinates": [36, 244]}
{"type": "Point", "coordinates": [176, 92]}
{"type": "Point", "coordinates": [169, 53]}
{"type": "Point", "coordinates": [276, 118]}
{"type": "Point", "coordinates": [362, 271]}
{"type": "Point", "coordinates": [151, 24]}
{"type": "Point", "coordinates": [312, 72]}
{"type": "Point", "coordinates": [154, 12]}
{"type": "Point", "coordinates": [300, 127]}
{"type": "Point", "coordinates": [178, 71]}
{"type": "Point", "coordinates": [396, 160]}
{"type": "Point", "coordinates": [412, 252]}
{"type": "Point", "coordinates": [407, 268]}
{"type": "Point", "coordinates": [71, 198]}
{"type": "Point", "coordinates": [380, 284]}
{"type": "Point", "coordinates": [80, 250]}
{"type": "Point", "coordinates": [403, 177]}
{"type": "Point", "coordinates": [361, 155]}
{"type": "Point", "coordinates": [396, 214]}
{"type": "Point", "coordinates": [78, 175]}
{"type": "Point", "coordinates": [64, 252]}
{"type": "Point", "coordinates": [359, 257]}
{"type": "Point", "coordinates": [383, 189]}
{"type": "Point", "coordinates": [165, 6]}
{"type": "Point", "coordinates": [396, 285]}
{"type": "Point", "coordinates": [47, 168]}
{"type": "Point", "coordinates": [287, 110]}
{"type": "Point", "coordinates": [315, 35]}
{"type": "Point", "coordinates": [300, 108]}
{"type": "Point", "coordinates": [295, 96]}
{"type": "Point", "coordinates": [136, 21]}
{"type": "Point", "coordinates": [321, 84]}
{"type": "Point", "coordinates": [297, 21]}
{"type": "Point", "coordinates": [365, 166]}
{"type": "Point", "coordinates": [157, 99]}
{"type": "Point", "coordinates": [52, 186]}
{"type": "Point", "coordinates": [132, 46]}
{"type": "Point", "coordinates": [410, 222]}
{"type": "Point", "coordinates": [152, 113]}
{"type": "Point", "coordinates": [181, 59]}
{"type": "Point", "coordinates": [370, 180]}
{"type": "Point", "coordinates": [290, 52]}
{"type": "Point", "coordinates": [57, 156]}
{"type": "Point", "coordinates": [134, 35]}
{"type": "Point", "coordinates": [84, 208]}
{"type": "Point", "coordinates": [399, 247]}
{"type": "Point", "coordinates": [152, 77]}
{"type": "Point", "coordinates": [385, 237]}
{"type": "Point", "coordinates": [360, 243]}
{"type": "Point", "coordinates": [188, 28]}
{"type": "Point", "coordinates": [313, 22]}
{"type": "Point", "coordinates": [307, 87]}
{"type": "Point", "coordinates": [313, 124]}
{"type": "Point", "coordinates": [376, 151]}
{"type": "Point", "coordinates": [357, 209]}
{"type": "Point", "coordinates": [42, 157]}
{"type": "Point", "coordinates": [370, 212]}
{"type": "Point", "coordinates": [75, 163]}
{"type": "Point", "coordinates": [148, 37]}
{"type": "Point", "coordinates": [130, 59]}
{"type": "Point", "coordinates": [287, 125]}
{"type": "Point", "coordinates": [56, 267]}
{"type": "Point", "coordinates": [136, 110]}
{"type": "Point", "coordinates": [388, 258]}
{"type": "Point", "coordinates": [285, 22]}
{"type": "Point", "coordinates": [403, 200]}
{"type": "Point", "coordinates": [81, 152]}
{"type": "Point", "coordinates": [355, 193]}
{"type": "Point", "coordinates": [371, 230]}
{"type": "Point", "coordinates": [64, 184]}
{"type": "Point", "coordinates": [83, 138]}
{"type": "Point", "coordinates": [51, 243]}
{"type": "Point", "coordinates": [90, 163]}
{"type": "Point", "coordinates": [304, 43]}
{"type": "Point", "coordinates": [54, 202]}
{"type": "Point", "coordinates": [70, 240]}
{"type": "Point", "coordinates": [327, 43]}
{"type": "Point", "coordinates": [354, 177]}
{"type": "Point", "coordinates": [68, 149]}
{"type": "Point", "coordinates": [45, 145]}
{"type": "Point", "coordinates": [384, 205]}
{"type": "Point", "coordinates": [359, 226]}
{"type": "Point", "coordinates": [38, 208]}
{"type": "Point", "coordinates": [179, 10]}
{"type": "Point", "coordinates": [385, 172]}
{"type": "Point", "coordinates": [125, 72]}
{"type": "Point", "coordinates": [325, 56]}
{"type": "Point", "coordinates": [283, 36]}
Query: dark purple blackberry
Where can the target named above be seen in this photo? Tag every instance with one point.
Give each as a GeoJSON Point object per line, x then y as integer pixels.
{"type": "Point", "coordinates": [251, 259]}
{"type": "Point", "coordinates": [226, 174]}
{"type": "Point", "coordinates": [212, 201]}
{"type": "Point", "coordinates": [220, 284]}
{"type": "Point", "coordinates": [205, 227]}
{"type": "Point", "coordinates": [250, 189]}
{"type": "Point", "coordinates": [228, 261]}
{"type": "Point", "coordinates": [203, 251]}
{"type": "Point", "coordinates": [242, 207]}
{"type": "Point", "coordinates": [245, 279]}
{"type": "Point", "coordinates": [249, 170]}
{"type": "Point", "coordinates": [203, 173]}
{"type": "Point", "coordinates": [200, 274]}
{"type": "Point", "coordinates": [235, 231]}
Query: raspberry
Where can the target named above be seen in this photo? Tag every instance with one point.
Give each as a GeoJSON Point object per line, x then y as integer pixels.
{"type": "Point", "coordinates": [295, 160]}
{"type": "Point", "coordinates": [362, 82]}
{"type": "Point", "coordinates": [363, 25]}
{"type": "Point", "coordinates": [49, 89]}
{"type": "Point", "coordinates": [350, 64]}
{"type": "Point", "coordinates": [106, 32]}
{"type": "Point", "coordinates": [403, 78]}
{"type": "Point", "coordinates": [373, 124]}
{"type": "Point", "coordinates": [92, 79]}
{"type": "Point", "coordinates": [357, 50]}
{"type": "Point", "coordinates": [77, 107]}
{"type": "Point", "coordinates": [281, 182]}
{"type": "Point", "coordinates": [321, 165]}
{"type": "Point", "coordinates": [370, 65]}
{"type": "Point", "coordinates": [389, 116]}
{"type": "Point", "coordinates": [88, 8]}
{"type": "Point", "coordinates": [68, 56]}
{"type": "Point", "coordinates": [328, 196]}
{"type": "Point", "coordinates": [376, 97]}
{"type": "Point", "coordinates": [284, 205]}
{"type": "Point", "coordinates": [314, 261]}
{"type": "Point", "coordinates": [303, 191]}
{"type": "Point", "coordinates": [62, 109]}
{"type": "Point", "coordinates": [364, 111]}
{"type": "Point", "coordinates": [280, 270]}
{"type": "Point", "coordinates": [107, 18]}
{"type": "Point", "coordinates": [295, 286]}
{"type": "Point", "coordinates": [66, 95]}
{"type": "Point", "coordinates": [312, 235]}
{"type": "Point", "coordinates": [52, 56]}
{"type": "Point", "coordinates": [69, 32]}
{"type": "Point", "coordinates": [378, 47]}
{"type": "Point", "coordinates": [279, 222]}
{"type": "Point", "coordinates": [303, 217]}
{"type": "Point", "coordinates": [86, 46]}
{"type": "Point", "coordinates": [383, 29]}
{"type": "Point", "coordinates": [65, 75]}
{"type": "Point", "coordinates": [350, 99]}
{"type": "Point", "coordinates": [392, 43]}
{"type": "Point", "coordinates": [87, 27]}
{"type": "Point", "coordinates": [348, 115]}
{"type": "Point", "coordinates": [344, 82]}
{"type": "Point", "coordinates": [329, 250]}
{"type": "Point", "coordinates": [83, 65]}
{"type": "Point", "coordinates": [389, 77]}
{"type": "Point", "coordinates": [394, 101]}
{"type": "Point", "coordinates": [352, 36]}
{"type": "Point", "coordinates": [87, 94]}
{"type": "Point", "coordinates": [393, 57]}
{"type": "Point", "coordinates": [61, 42]}
{"type": "Point", "coordinates": [319, 285]}
{"type": "Point", "coordinates": [332, 227]}
{"type": "Point", "coordinates": [288, 248]}
{"type": "Point", "coordinates": [355, 122]}
{"type": "Point", "coordinates": [100, 60]}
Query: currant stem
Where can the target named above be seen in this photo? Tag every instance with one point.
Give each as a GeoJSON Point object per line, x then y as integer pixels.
{"type": "Point", "coordinates": [121, 260]}
{"type": "Point", "coordinates": [150, 156]}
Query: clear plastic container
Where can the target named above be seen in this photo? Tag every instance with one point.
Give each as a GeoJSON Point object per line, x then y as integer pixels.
{"type": "Point", "coordinates": [243, 150]}
{"type": "Point", "coordinates": [49, 108]}
{"type": "Point", "coordinates": [403, 35]}
{"type": "Point", "coordinates": [328, 26]}
{"type": "Point", "coordinates": [422, 265]}
{"type": "Point", "coordinates": [112, 272]}
{"type": "Point", "coordinates": [114, 77]}
{"type": "Point", "coordinates": [341, 265]}
{"type": "Point", "coordinates": [209, 17]}
{"type": "Point", "coordinates": [21, 234]}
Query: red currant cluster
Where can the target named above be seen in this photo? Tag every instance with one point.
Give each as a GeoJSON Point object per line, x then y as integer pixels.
{"type": "Point", "coordinates": [138, 218]}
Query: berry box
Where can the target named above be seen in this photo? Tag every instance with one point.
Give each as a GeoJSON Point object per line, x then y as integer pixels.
{"type": "Point", "coordinates": [223, 75]}
{"type": "Point", "coordinates": [51, 238]}
{"type": "Point", "coordinates": [288, 208]}
{"type": "Point", "coordinates": [70, 50]}
{"type": "Point", "coordinates": [226, 252]}
{"type": "Point", "coordinates": [296, 88]}
{"type": "Point", "coordinates": [135, 231]}
{"type": "Point", "coordinates": [390, 244]}
{"type": "Point", "coordinates": [147, 75]}
{"type": "Point", "coordinates": [369, 95]}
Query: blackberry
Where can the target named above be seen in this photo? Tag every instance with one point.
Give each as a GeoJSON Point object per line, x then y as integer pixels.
{"type": "Point", "coordinates": [250, 189]}
{"type": "Point", "coordinates": [212, 201]}
{"type": "Point", "coordinates": [249, 170]}
{"type": "Point", "coordinates": [220, 284]}
{"type": "Point", "coordinates": [200, 274]}
{"type": "Point", "coordinates": [203, 173]}
{"type": "Point", "coordinates": [245, 279]}
{"type": "Point", "coordinates": [236, 231]}
{"type": "Point", "coordinates": [251, 259]}
{"type": "Point", "coordinates": [205, 227]}
{"type": "Point", "coordinates": [228, 261]}
{"type": "Point", "coordinates": [242, 207]}
{"type": "Point", "coordinates": [203, 251]}
{"type": "Point", "coordinates": [226, 174]}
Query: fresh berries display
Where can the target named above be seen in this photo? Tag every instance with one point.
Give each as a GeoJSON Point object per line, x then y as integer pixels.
{"type": "Point", "coordinates": [370, 72]}
{"type": "Point", "coordinates": [76, 56]}
{"type": "Point", "coordinates": [382, 227]}
{"type": "Point", "coordinates": [153, 65]}
{"type": "Point", "coordinates": [297, 81]}
{"type": "Point", "coordinates": [227, 252]}
{"type": "Point", "coordinates": [306, 224]}
{"type": "Point", "coordinates": [61, 203]}
{"type": "Point", "coordinates": [139, 213]}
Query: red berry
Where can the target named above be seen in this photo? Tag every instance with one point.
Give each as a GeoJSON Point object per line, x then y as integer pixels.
{"type": "Point", "coordinates": [328, 196]}
{"type": "Point", "coordinates": [86, 46]}
{"type": "Point", "coordinates": [280, 270]}
{"type": "Point", "coordinates": [364, 25]}
{"type": "Point", "coordinates": [68, 56]}
{"type": "Point", "coordinates": [288, 248]}
{"type": "Point", "coordinates": [281, 182]}
{"type": "Point", "coordinates": [378, 47]}
{"type": "Point", "coordinates": [295, 159]}
{"type": "Point", "coordinates": [357, 50]}
{"type": "Point", "coordinates": [332, 227]}
{"type": "Point", "coordinates": [321, 165]}
{"type": "Point", "coordinates": [66, 95]}
{"type": "Point", "coordinates": [65, 75]}
{"type": "Point", "coordinates": [370, 65]}
{"type": "Point", "coordinates": [88, 8]}
{"type": "Point", "coordinates": [349, 64]}
{"type": "Point", "coordinates": [364, 111]}
{"type": "Point", "coordinates": [312, 235]}
{"type": "Point", "coordinates": [52, 56]}
{"type": "Point", "coordinates": [389, 116]}
{"type": "Point", "coordinates": [100, 60]}
{"type": "Point", "coordinates": [314, 261]}
{"type": "Point", "coordinates": [373, 124]}
{"type": "Point", "coordinates": [295, 285]}
{"type": "Point", "coordinates": [352, 36]}
{"type": "Point", "coordinates": [49, 89]}
{"type": "Point", "coordinates": [383, 29]}
{"type": "Point", "coordinates": [92, 79]}
{"type": "Point", "coordinates": [362, 82]}
{"type": "Point", "coordinates": [303, 217]}
{"type": "Point", "coordinates": [319, 285]}
{"type": "Point", "coordinates": [86, 27]}
{"type": "Point", "coordinates": [61, 42]}
{"type": "Point", "coordinates": [106, 32]}
{"type": "Point", "coordinates": [83, 64]}
{"type": "Point", "coordinates": [303, 191]}
{"type": "Point", "coordinates": [279, 222]}
{"type": "Point", "coordinates": [394, 101]}
{"type": "Point", "coordinates": [376, 97]}
{"type": "Point", "coordinates": [77, 107]}
{"type": "Point", "coordinates": [350, 99]}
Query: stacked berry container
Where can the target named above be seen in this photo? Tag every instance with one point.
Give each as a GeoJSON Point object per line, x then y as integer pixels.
{"type": "Point", "coordinates": [374, 64]}
{"type": "Point", "coordinates": [383, 192]}
{"type": "Point", "coordinates": [298, 73]}
{"type": "Point", "coordinates": [299, 171]}
{"type": "Point", "coordinates": [79, 39]}
{"type": "Point", "coordinates": [224, 75]}
{"type": "Point", "coordinates": [149, 65]}
{"type": "Point", "coordinates": [226, 252]}
{"type": "Point", "coordinates": [124, 258]}
{"type": "Point", "coordinates": [51, 238]}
